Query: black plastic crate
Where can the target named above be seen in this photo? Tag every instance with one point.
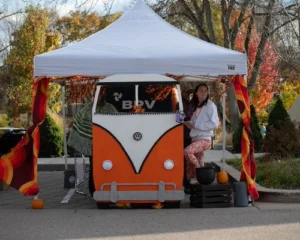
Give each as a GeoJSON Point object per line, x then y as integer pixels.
{"type": "Point", "coordinates": [213, 195]}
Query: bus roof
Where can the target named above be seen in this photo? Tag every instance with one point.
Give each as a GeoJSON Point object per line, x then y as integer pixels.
{"type": "Point", "coordinates": [136, 78]}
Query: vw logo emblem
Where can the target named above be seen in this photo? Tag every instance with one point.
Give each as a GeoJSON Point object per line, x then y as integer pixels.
{"type": "Point", "coordinates": [137, 136]}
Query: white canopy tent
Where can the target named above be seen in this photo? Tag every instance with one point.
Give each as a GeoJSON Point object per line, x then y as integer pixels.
{"type": "Point", "coordinates": [141, 42]}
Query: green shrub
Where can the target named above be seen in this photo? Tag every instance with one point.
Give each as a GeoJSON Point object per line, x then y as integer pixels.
{"type": "Point", "coordinates": [277, 114]}
{"type": "Point", "coordinates": [255, 129]}
{"type": "Point", "coordinates": [281, 141]}
{"type": "Point", "coordinates": [254, 125]}
{"type": "Point", "coordinates": [51, 138]}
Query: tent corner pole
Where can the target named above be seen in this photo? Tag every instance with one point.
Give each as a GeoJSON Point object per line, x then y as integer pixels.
{"type": "Point", "coordinates": [63, 90]}
{"type": "Point", "coordinates": [224, 129]}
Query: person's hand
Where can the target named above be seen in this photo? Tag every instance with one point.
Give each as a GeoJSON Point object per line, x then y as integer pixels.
{"type": "Point", "coordinates": [189, 125]}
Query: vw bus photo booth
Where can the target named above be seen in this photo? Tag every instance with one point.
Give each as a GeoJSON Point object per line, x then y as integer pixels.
{"type": "Point", "coordinates": [138, 148]}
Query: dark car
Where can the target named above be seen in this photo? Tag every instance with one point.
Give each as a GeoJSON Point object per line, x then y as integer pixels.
{"type": "Point", "coordinates": [9, 138]}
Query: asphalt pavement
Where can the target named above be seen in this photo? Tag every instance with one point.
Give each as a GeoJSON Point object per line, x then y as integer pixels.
{"type": "Point", "coordinates": [155, 224]}
{"type": "Point", "coordinates": [79, 219]}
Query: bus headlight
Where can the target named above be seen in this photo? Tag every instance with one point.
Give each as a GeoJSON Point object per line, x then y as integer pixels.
{"type": "Point", "coordinates": [169, 164]}
{"type": "Point", "coordinates": [107, 165]}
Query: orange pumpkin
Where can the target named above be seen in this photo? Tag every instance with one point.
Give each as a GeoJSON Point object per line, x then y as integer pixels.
{"type": "Point", "coordinates": [37, 204]}
{"type": "Point", "coordinates": [222, 177]}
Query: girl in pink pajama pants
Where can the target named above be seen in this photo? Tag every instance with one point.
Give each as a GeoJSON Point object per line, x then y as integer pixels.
{"type": "Point", "coordinates": [204, 120]}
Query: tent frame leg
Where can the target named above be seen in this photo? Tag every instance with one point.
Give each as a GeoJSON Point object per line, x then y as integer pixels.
{"type": "Point", "coordinates": [224, 128]}
{"type": "Point", "coordinates": [63, 90]}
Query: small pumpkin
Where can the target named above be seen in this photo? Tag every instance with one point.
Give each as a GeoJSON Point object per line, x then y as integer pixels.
{"type": "Point", "coordinates": [222, 177]}
{"type": "Point", "coordinates": [37, 204]}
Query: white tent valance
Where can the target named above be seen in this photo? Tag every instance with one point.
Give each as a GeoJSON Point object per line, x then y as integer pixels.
{"type": "Point", "coordinates": [140, 42]}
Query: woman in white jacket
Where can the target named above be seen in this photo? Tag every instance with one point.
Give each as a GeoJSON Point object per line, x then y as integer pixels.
{"type": "Point", "coordinates": [204, 120]}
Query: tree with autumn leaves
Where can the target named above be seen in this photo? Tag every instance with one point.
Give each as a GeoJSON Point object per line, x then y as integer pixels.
{"type": "Point", "coordinates": [267, 83]}
{"type": "Point", "coordinates": [31, 39]}
{"type": "Point", "coordinates": [269, 79]}
{"type": "Point", "coordinates": [42, 31]}
{"type": "Point", "coordinates": [78, 25]}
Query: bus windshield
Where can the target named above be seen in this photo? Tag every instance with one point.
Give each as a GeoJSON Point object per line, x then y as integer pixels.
{"type": "Point", "coordinates": [142, 98]}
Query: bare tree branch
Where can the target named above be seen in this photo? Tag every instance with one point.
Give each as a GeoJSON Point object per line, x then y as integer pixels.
{"type": "Point", "coordinates": [3, 49]}
{"type": "Point", "coordinates": [291, 21]}
{"type": "Point", "coordinates": [229, 10]}
{"type": "Point", "coordinates": [238, 23]}
{"type": "Point", "coordinates": [192, 16]}
{"type": "Point", "coordinates": [9, 15]}
{"type": "Point", "coordinates": [198, 11]}
{"type": "Point", "coordinates": [290, 64]}
{"type": "Point", "coordinates": [248, 35]}
{"type": "Point", "coordinates": [282, 25]}
{"type": "Point", "coordinates": [225, 23]}
{"type": "Point", "coordinates": [207, 9]}
{"type": "Point", "coordinates": [261, 46]}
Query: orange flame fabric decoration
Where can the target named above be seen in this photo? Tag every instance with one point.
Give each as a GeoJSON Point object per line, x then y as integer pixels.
{"type": "Point", "coordinates": [18, 168]}
{"type": "Point", "coordinates": [138, 109]}
{"type": "Point", "coordinates": [160, 92]}
{"type": "Point", "coordinates": [248, 172]}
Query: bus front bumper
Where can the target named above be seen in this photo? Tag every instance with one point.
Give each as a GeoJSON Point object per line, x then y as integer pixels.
{"type": "Point", "coordinates": [161, 195]}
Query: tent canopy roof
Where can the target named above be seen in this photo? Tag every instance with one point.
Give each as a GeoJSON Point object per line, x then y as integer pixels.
{"type": "Point", "coordinates": [140, 42]}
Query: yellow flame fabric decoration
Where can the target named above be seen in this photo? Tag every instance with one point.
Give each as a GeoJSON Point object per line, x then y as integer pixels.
{"type": "Point", "coordinates": [18, 168]}
{"type": "Point", "coordinates": [248, 172]}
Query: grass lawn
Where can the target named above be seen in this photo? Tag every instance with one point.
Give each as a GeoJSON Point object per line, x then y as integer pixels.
{"type": "Point", "coordinates": [283, 174]}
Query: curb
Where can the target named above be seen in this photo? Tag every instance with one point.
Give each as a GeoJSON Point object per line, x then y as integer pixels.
{"type": "Point", "coordinates": [57, 164]}
{"type": "Point", "coordinates": [54, 167]}
{"type": "Point", "coordinates": [265, 194]}
{"type": "Point", "coordinates": [279, 197]}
